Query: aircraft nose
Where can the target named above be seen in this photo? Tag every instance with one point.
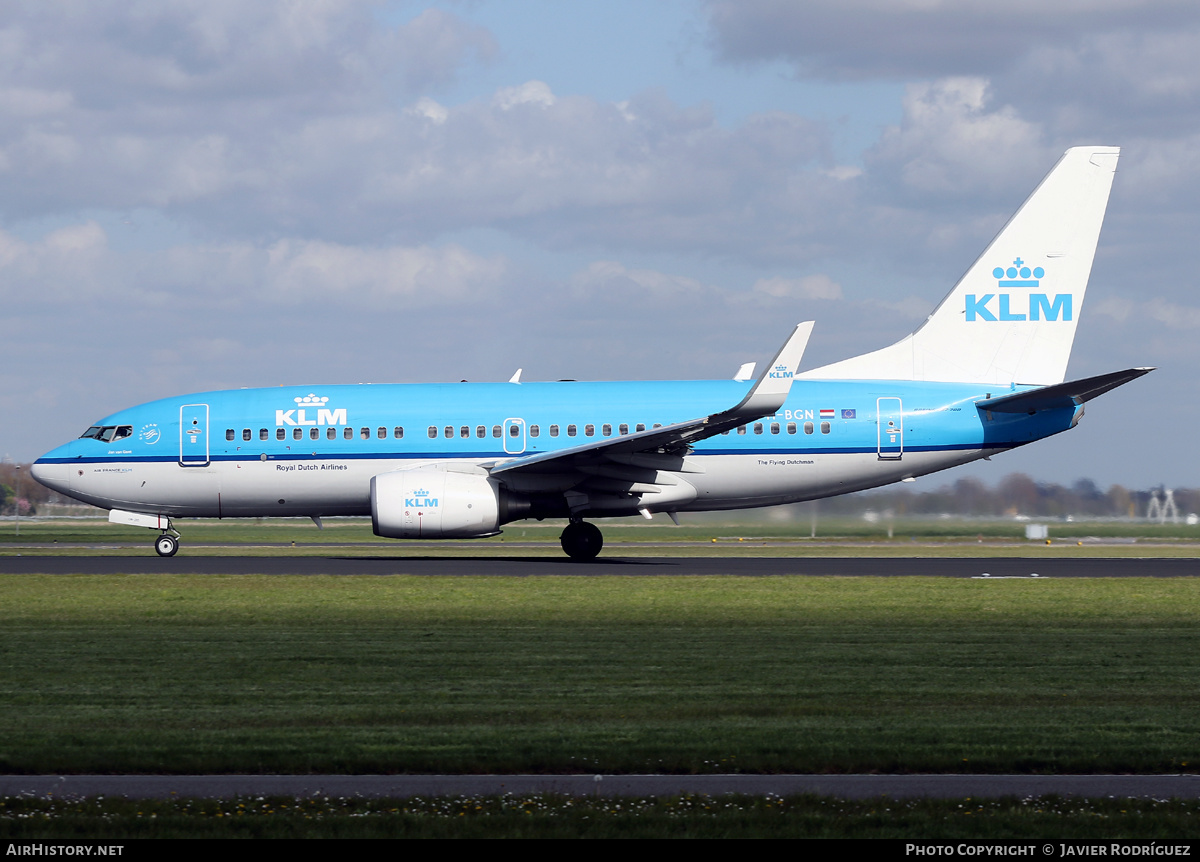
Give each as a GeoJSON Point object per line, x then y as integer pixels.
{"type": "Point", "coordinates": [57, 477]}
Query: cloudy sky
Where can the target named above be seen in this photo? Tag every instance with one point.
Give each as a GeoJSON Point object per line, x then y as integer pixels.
{"type": "Point", "coordinates": [207, 194]}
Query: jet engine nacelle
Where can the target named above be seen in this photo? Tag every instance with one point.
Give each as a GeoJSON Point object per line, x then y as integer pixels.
{"type": "Point", "coordinates": [433, 503]}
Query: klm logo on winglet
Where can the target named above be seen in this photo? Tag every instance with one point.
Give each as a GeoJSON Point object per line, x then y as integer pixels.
{"type": "Point", "coordinates": [300, 416]}
{"type": "Point", "coordinates": [1018, 306]}
{"type": "Point", "coordinates": [420, 500]}
{"type": "Point", "coordinates": [780, 372]}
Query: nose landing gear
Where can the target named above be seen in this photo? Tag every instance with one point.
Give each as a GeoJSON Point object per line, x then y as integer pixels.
{"type": "Point", "coordinates": [581, 540]}
{"type": "Point", "coordinates": [166, 545]}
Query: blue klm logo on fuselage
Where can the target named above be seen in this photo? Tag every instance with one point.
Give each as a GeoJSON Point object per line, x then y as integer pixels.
{"type": "Point", "coordinates": [1037, 306]}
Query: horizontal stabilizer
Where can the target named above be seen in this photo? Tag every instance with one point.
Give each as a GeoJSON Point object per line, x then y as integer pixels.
{"type": "Point", "coordinates": [1069, 394]}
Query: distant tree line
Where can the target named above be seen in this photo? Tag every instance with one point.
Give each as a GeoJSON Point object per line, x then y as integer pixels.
{"type": "Point", "coordinates": [19, 489]}
{"type": "Point", "coordinates": [1015, 494]}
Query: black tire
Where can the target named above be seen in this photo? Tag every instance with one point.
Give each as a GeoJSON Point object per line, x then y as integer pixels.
{"type": "Point", "coordinates": [581, 541]}
{"type": "Point", "coordinates": [166, 546]}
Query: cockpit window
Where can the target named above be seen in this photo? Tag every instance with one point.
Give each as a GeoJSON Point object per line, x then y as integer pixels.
{"type": "Point", "coordinates": [108, 433]}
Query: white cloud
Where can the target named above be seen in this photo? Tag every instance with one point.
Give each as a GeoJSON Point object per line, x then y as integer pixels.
{"type": "Point", "coordinates": [1173, 314]}
{"type": "Point", "coordinates": [529, 93]}
{"type": "Point", "coordinates": [808, 287]}
{"type": "Point", "coordinates": [430, 110]}
{"type": "Point", "coordinates": [75, 263]}
{"type": "Point", "coordinates": [858, 39]}
{"type": "Point", "coordinates": [608, 278]}
{"type": "Point", "coordinates": [951, 141]}
{"type": "Point", "coordinates": [299, 270]}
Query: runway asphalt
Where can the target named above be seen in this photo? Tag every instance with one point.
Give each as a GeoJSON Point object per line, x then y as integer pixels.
{"type": "Point", "coordinates": [286, 564]}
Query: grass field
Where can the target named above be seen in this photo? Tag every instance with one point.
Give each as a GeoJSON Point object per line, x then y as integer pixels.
{"type": "Point", "coordinates": [550, 816]}
{"type": "Point", "coordinates": [408, 674]}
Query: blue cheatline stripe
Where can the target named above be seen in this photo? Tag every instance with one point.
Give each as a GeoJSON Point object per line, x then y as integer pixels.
{"type": "Point", "coordinates": [483, 456]}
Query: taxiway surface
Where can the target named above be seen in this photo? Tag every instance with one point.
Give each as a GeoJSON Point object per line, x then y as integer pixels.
{"type": "Point", "coordinates": [288, 564]}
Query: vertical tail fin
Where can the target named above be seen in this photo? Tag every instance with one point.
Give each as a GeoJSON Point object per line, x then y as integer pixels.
{"type": "Point", "coordinates": [1012, 317]}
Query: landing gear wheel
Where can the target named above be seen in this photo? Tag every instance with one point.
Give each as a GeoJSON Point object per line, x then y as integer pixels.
{"type": "Point", "coordinates": [581, 541]}
{"type": "Point", "coordinates": [166, 545]}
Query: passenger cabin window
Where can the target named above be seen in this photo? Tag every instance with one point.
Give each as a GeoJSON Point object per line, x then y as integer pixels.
{"type": "Point", "coordinates": [589, 430]}
{"type": "Point", "coordinates": [264, 434]}
{"type": "Point", "coordinates": [741, 429]}
{"type": "Point", "coordinates": [824, 427]}
{"type": "Point", "coordinates": [641, 426]}
{"type": "Point", "coordinates": [808, 427]}
{"type": "Point", "coordinates": [464, 432]}
{"type": "Point", "coordinates": [791, 427]}
{"type": "Point", "coordinates": [381, 433]}
{"type": "Point", "coordinates": [432, 432]}
{"type": "Point", "coordinates": [364, 433]}
{"type": "Point", "coordinates": [331, 433]}
{"type": "Point", "coordinates": [553, 430]}
{"type": "Point", "coordinates": [758, 427]}
{"type": "Point", "coordinates": [606, 430]}
{"type": "Point", "coordinates": [314, 433]}
{"type": "Point", "coordinates": [280, 433]}
{"type": "Point", "coordinates": [297, 433]}
{"type": "Point", "coordinates": [534, 430]}
{"type": "Point", "coordinates": [571, 431]}
{"type": "Point", "coordinates": [246, 434]}
{"type": "Point", "coordinates": [496, 431]}
{"type": "Point", "coordinates": [480, 432]}
{"type": "Point", "coordinates": [448, 431]}
{"type": "Point", "coordinates": [229, 433]}
{"type": "Point", "coordinates": [348, 433]}
{"type": "Point", "coordinates": [398, 432]}
{"type": "Point", "coordinates": [774, 427]}
{"type": "Point", "coordinates": [514, 430]}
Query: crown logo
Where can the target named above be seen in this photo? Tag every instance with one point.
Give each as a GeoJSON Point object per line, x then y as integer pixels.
{"type": "Point", "coordinates": [1018, 275]}
{"type": "Point", "coordinates": [421, 493]}
{"type": "Point", "coordinates": [311, 401]}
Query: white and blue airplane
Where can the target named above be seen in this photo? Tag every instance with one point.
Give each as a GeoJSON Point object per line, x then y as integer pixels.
{"type": "Point", "coordinates": [983, 374]}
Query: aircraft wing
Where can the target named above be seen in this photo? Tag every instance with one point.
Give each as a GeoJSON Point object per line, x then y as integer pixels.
{"type": "Point", "coordinates": [1069, 394]}
{"type": "Point", "coordinates": [765, 398]}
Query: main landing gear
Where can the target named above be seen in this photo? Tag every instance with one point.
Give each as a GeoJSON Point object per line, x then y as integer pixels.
{"type": "Point", "coordinates": [581, 541]}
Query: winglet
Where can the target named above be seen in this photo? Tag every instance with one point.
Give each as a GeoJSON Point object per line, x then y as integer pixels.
{"type": "Point", "coordinates": [516, 378]}
{"type": "Point", "coordinates": [775, 382]}
{"type": "Point", "coordinates": [746, 372]}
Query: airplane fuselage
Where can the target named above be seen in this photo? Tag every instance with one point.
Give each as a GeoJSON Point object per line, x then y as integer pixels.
{"type": "Point", "coordinates": [312, 451]}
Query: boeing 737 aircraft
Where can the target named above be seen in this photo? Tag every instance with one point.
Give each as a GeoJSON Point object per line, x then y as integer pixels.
{"type": "Point", "coordinates": [983, 374]}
